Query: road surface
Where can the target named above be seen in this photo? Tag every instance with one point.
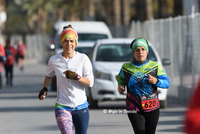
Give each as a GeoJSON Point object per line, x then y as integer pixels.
{"type": "Point", "coordinates": [21, 112]}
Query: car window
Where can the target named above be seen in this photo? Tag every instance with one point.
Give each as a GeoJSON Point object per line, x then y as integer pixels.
{"type": "Point", "coordinates": [118, 52]}
{"type": "Point", "coordinates": [151, 55]}
{"type": "Point", "coordinates": [91, 36]}
{"type": "Point", "coordinates": [85, 50]}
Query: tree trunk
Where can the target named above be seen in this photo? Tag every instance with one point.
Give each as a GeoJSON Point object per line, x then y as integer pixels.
{"type": "Point", "coordinates": [178, 7]}
{"type": "Point", "coordinates": [117, 17]}
{"type": "Point", "coordinates": [117, 13]}
{"type": "Point", "coordinates": [163, 9]}
{"type": "Point", "coordinates": [72, 15]}
{"type": "Point", "coordinates": [60, 13]}
{"type": "Point", "coordinates": [89, 10]}
{"type": "Point", "coordinates": [41, 21]}
{"type": "Point", "coordinates": [126, 16]}
{"type": "Point", "coordinates": [126, 12]}
{"type": "Point", "coordinates": [141, 10]}
{"type": "Point", "coordinates": [149, 9]}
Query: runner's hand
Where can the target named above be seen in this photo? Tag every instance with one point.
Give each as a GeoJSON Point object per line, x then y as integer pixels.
{"type": "Point", "coordinates": [71, 75]}
{"type": "Point", "coordinates": [43, 93]}
{"type": "Point", "coordinates": [152, 80]}
{"type": "Point", "coordinates": [121, 89]}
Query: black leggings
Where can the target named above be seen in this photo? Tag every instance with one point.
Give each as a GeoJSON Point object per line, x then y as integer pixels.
{"type": "Point", "coordinates": [0, 81]}
{"type": "Point", "coordinates": [144, 122]}
{"type": "Point", "coordinates": [9, 74]}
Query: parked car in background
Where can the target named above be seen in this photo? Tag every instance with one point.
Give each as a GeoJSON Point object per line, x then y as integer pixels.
{"type": "Point", "coordinates": [88, 32]}
{"type": "Point", "coordinates": [107, 57]}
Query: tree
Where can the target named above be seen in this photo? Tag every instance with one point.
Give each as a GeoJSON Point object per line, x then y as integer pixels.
{"type": "Point", "coordinates": [149, 9]}
{"type": "Point", "coordinates": [37, 12]}
{"type": "Point", "coordinates": [126, 12]}
{"type": "Point", "coordinates": [144, 10]}
{"type": "Point", "coordinates": [166, 8]}
{"type": "Point", "coordinates": [178, 7]}
{"type": "Point", "coordinates": [88, 11]}
{"type": "Point", "coordinates": [16, 19]}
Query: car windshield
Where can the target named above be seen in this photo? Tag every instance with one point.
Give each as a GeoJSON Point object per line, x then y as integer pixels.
{"type": "Point", "coordinates": [91, 36]}
{"type": "Point", "coordinates": [85, 50]}
{"type": "Point", "coordinates": [85, 37]}
{"type": "Point", "coordinates": [118, 53]}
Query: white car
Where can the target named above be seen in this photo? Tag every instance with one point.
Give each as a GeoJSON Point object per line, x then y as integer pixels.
{"type": "Point", "coordinates": [88, 32]}
{"type": "Point", "coordinates": [107, 57]}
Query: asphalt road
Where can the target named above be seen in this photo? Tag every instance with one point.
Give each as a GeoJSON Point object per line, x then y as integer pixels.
{"type": "Point", "coordinates": [21, 112]}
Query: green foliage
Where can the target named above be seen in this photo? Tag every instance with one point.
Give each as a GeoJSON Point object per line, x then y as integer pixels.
{"type": "Point", "coordinates": [21, 12]}
{"type": "Point", "coordinates": [16, 20]}
{"type": "Point", "coordinates": [32, 6]}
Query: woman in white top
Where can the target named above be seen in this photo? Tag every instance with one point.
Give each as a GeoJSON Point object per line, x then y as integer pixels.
{"type": "Point", "coordinates": [73, 71]}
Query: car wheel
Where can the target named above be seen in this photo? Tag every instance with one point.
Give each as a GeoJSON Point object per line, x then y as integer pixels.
{"type": "Point", "coordinates": [163, 104]}
{"type": "Point", "coordinates": [93, 103]}
{"type": "Point", "coordinates": [54, 84]}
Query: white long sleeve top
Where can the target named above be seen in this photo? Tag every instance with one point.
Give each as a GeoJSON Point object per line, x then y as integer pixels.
{"type": "Point", "coordinates": [70, 92]}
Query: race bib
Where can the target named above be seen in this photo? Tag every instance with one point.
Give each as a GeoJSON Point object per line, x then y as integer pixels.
{"type": "Point", "coordinates": [149, 102]}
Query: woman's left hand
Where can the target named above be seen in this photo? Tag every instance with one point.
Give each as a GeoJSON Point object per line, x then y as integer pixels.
{"type": "Point", "coordinates": [121, 89]}
{"type": "Point", "coordinates": [71, 75]}
{"type": "Point", "coordinates": [152, 80]}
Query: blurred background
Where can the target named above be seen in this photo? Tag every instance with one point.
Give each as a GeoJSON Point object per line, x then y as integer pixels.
{"type": "Point", "coordinates": [171, 25]}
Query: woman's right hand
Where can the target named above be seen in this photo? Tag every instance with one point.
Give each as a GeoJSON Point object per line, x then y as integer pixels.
{"type": "Point", "coordinates": [121, 89]}
{"type": "Point", "coordinates": [43, 93]}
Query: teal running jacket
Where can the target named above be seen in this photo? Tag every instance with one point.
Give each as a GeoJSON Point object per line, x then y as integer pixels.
{"type": "Point", "coordinates": [135, 78]}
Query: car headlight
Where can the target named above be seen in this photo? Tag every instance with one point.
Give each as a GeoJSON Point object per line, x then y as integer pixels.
{"type": "Point", "coordinates": [101, 75]}
{"type": "Point", "coordinates": [52, 46]}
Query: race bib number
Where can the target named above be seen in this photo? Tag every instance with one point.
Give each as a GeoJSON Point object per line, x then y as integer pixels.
{"type": "Point", "coordinates": [149, 102]}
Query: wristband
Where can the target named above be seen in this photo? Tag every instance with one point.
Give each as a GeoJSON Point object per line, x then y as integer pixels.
{"type": "Point", "coordinates": [78, 77]}
{"type": "Point", "coordinates": [45, 89]}
{"type": "Point", "coordinates": [157, 81]}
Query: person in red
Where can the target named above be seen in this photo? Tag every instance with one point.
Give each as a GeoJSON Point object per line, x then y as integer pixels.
{"type": "Point", "coordinates": [20, 54]}
{"type": "Point", "coordinates": [192, 118]}
{"type": "Point", "coordinates": [2, 58]}
{"type": "Point", "coordinates": [10, 60]}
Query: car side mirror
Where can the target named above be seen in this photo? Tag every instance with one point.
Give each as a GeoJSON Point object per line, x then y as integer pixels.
{"type": "Point", "coordinates": [166, 62]}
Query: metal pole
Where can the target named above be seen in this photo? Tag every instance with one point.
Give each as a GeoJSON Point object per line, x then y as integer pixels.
{"type": "Point", "coordinates": [180, 50]}
{"type": "Point", "coordinates": [171, 48]}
